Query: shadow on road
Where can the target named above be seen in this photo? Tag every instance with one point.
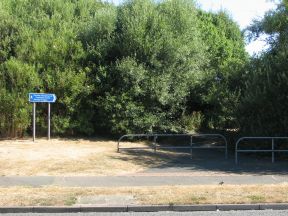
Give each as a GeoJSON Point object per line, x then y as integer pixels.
{"type": "Point", "coordinates": [208, 160]}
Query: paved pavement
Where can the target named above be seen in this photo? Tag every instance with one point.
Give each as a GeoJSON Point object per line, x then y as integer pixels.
{"type": "Point", "coordinates": [206, 168]}
{"type": "Point", "coordinates": [120, 181]}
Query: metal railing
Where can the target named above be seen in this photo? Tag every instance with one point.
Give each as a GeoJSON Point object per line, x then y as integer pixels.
{"type": "Point", "coordinates": [191, 147]}
{"type": "Point", "coordinates": [272, 150]}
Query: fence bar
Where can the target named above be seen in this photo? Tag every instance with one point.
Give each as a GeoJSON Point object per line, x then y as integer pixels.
{"type": "Point", "coordinates": [226, 149]}
{"type": "Point", "coordinates": [118, 146]}
{"type": "Point", "coordinates": [191, 147]}
{"type": "Point", "coordinates": [136, 148]}
{"type": "Point", "coordinates": [173, 147]}
{"type": "Point", "coordinates": [214, 147]}
{"type": "Point", "coordinates": [260, 150]}
{"type": "Point", "coordinates": [273, 153]}
{"type": "Point", "coordinates": [236, 154]}
{"type": "Point", "coordinates": [155, 144]}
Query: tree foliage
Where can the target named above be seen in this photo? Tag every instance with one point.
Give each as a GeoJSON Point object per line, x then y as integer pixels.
{"type": "Point", "coordinates": [263, 109]}
{"type": "Point", "coordinates": [222, 81]}
{"type": "Point", "coordinates": [157, 56]}
{"type": "Point", "coordinates": [143, 66]}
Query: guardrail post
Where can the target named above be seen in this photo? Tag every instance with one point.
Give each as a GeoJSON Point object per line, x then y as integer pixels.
{"type": "Point", "coordinates": [191, 144]}
{"type": "Point", "coordinates": [236, 157]}
{"type": "Point", "coordinates": [118, 144]}
{"type": "Point", "coordinates": [226, 149]}
{"type": "Point", "coordinates": [119, 140]}
{"type": "Point", "coordinates": [155, 144]}
{"type": "Point", "coordinates": [273, 153]}
{"type": "Point", "coordinates": [236, 152]}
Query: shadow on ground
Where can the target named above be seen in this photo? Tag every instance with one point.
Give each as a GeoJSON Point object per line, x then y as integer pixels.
{"type": "Point", "coordinates": [204, 161]}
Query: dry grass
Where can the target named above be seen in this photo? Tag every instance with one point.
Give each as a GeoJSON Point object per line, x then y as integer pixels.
{"type": "Point", "coordinates": [67, 157]}
{"type": "Point", "coordinates": [58, 196]}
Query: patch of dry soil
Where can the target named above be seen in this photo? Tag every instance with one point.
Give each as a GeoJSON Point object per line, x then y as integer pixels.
{"type": "Point", "coordinates": [64, 157]}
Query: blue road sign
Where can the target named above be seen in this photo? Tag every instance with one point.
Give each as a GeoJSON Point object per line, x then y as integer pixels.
{"type": "Point", "coordinates": [42, 97]}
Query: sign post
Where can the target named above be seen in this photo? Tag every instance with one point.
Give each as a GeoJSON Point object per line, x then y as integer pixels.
{"type": "Point", "coordinates": [49, 108]}
{"type": "Point", "coordinates": [34, 121]}
{"type": "Point", "coordinates": [41, 98]}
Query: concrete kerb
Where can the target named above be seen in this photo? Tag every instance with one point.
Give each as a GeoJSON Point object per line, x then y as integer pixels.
{"type": "Point", "coordinates": [143, 208]}
{"type": "Point", "coordinates": [231, 207]}
{"type": "Point", "coordinates": [194, 207]}
{"type": "Point", "coordinates": [149, 208]}
{"type": "Point", "coordinates": [54, 209]}
{"type": "Point", "coordinates": [6, 210]}
{"type": "Point", "coordinates": [274, 206]}
{"type": "Point", "coordinates": [104, 209]}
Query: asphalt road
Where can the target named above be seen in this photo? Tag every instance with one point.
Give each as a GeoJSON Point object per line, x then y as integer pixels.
{"type": "Point", "coordinates": [214, 213]}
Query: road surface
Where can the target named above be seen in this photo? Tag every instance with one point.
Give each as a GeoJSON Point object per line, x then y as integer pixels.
{"type": "Point", "coordinates": [214, 213]}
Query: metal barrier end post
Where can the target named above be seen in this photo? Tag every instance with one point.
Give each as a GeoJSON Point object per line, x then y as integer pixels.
{"type": "Point", "coordinates": [118, 144]}
{"type": "Point", "coordinates": [273, 153]}
{"type": "Point", "coordinates": [155, 145]}
{"type": "Point", "coordinates": [118, 149]}
{"type": "Point", "coordinates": [236, 152]}
{"type": "Point", "coordinates": [226, 149]}
{"type": "Point", "coordinates": [191, 146]}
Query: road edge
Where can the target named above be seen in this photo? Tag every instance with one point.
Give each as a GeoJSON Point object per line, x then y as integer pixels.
{"type": "Point", "coordinates": [143, 208]}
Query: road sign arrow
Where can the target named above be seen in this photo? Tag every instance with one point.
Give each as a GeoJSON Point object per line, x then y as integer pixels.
{"type": "Point", "coordinates": [54, 98]}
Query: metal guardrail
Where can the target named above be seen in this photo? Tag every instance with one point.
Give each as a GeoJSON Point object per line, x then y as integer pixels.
{"type": "Point", "coordinates": [272, 150]}
{"type": "Point", "coordinates": [191, 147]}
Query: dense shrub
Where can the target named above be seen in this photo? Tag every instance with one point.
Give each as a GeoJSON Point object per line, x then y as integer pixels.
{"type": "Point", "coordinates": [263, 108]}
{"type": "Point", "coordinates": [143, 66]}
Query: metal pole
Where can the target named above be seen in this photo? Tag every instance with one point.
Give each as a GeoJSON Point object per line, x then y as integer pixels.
{"type": "Point", "coordinates": [226, 149]}
{"type": "Point", "coordinates": [49, 108]}
{"type": "Point", "coordinates": [273, 154]}
{"type": "Point", "coordinates": [155, 146]}
{"type": "Point", "coordinates": [118, 146]}
{"type": "Point", "coordinates": [191, 143]}
{"type": "Point", "coordinates": [34, 121]}
{"type": "Point", "coordinates": [236, 152]}
{"type": "Point", "coordinates": [236, 157]}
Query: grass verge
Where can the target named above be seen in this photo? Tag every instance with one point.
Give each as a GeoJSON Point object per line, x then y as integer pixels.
{"type": "Point", "coordinates": [73, 157]}
{"type": "Point", "coordinates": [164, 195]}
